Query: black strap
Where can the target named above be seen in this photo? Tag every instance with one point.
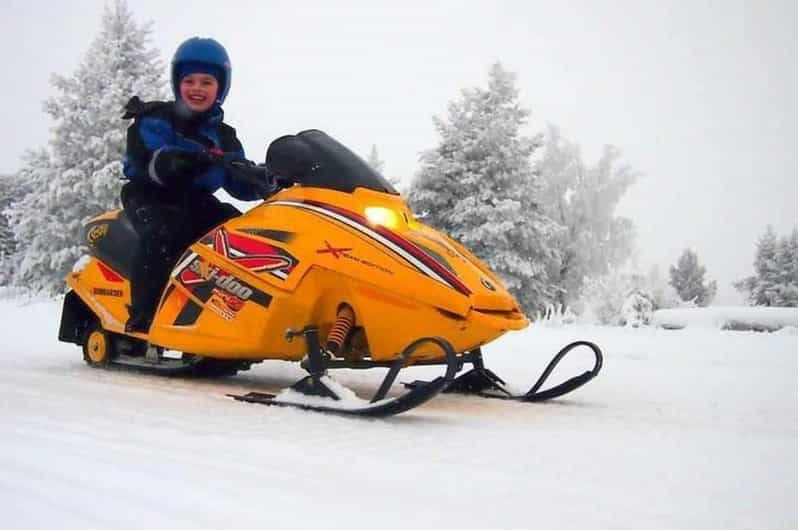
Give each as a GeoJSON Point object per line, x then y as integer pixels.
{"type": "Point", "coordinates": [136, 108]}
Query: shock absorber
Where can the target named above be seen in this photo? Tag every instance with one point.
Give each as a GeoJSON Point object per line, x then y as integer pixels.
{"type": "Point", "coordinates": [343, 325]}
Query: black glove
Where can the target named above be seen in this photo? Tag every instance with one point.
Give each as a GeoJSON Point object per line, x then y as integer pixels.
{"type": "Point", "coordinates": [265, 187]}
{"type": "Point", "coordinates": [249, 181]}
{"type": "Point", "coordinates": [175, 169]}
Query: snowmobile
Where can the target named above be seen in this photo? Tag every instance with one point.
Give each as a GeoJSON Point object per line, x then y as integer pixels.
{"type": "Point", "coordinates": [331, 271]}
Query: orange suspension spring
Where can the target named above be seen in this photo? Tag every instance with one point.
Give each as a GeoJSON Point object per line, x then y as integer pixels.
{"type": "Point", "coordinates": [343, 325]}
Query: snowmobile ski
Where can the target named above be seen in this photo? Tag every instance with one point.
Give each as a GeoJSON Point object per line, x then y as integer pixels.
{"type": "Point", "coordinates": [318, 392]}
{"type": "Point", "coordinates": [483, 382]}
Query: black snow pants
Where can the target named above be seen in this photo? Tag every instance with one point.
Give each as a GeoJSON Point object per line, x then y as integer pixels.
{"type": "Point", "coordinates": [166, 225]}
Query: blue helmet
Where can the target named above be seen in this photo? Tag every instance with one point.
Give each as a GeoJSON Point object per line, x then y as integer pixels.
{"type": "Point", "coordinates": [207, 52]}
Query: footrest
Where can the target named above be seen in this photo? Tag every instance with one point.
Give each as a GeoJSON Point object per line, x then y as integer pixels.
{"type": "Point", "coordinates": [255, 397]}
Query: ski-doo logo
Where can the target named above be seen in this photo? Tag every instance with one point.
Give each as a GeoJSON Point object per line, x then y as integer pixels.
{"type": "Point", "coordinates": [488, 285]}
{"type": "Point", "coordinates": [220, 278]}
{"type": "Point", "coordinates": [96, 233]}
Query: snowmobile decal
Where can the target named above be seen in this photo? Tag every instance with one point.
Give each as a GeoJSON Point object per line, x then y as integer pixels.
{"type": "Point", "coordinates": [436, 256]}
{"type": "Point", "coordinates": [218, 289]}
{"type": "Point", "coordinates": [277, 235]}
{"type": "Point", "coordinates": [252, 254]}
{"type": "Point", "coordinates": [189, 314]}
{"type": "Point", "coordinates": [346, 253]}
{"type": "Point", "coordinates": [400, 246]}
{"type": "Point", "coordinates": [96, 232]}
{"type": "Point", "coordinates": [336, 252]}
{"type": "Point", "coordinates": [109, 274]}
{"type": "Point", "coordinates": [206, 273]}
{"type": "Point", "coordinates": [100, 291]}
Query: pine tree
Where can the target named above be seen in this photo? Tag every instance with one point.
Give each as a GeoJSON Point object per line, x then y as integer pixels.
{"type": "Point", "coordinates": [775, 279]}
{"type": "Point", "coordinates": [760, 287]}
{"type": "Point", "coordinates": [26, 217]}
{"type": "Point", "coordinates": [583, 199]}
{"type": "Point", "coordinates": [8, 193]}
{"type": "Point", "coordinates": [374, 160]}
{"type": "Point", "coordinates": [791, 269]}
{"type": "Point", "coordinates": [78, 177]}
{"type": "Point", "coordinates": [786, 287]}
{"type": "Point", "coordinates": [478, 186]}
{"type": "Point", "coordinates": [687, 277]}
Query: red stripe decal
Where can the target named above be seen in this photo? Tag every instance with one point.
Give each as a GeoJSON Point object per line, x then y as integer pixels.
{"type": "Point", "coordinates": [250, 246]}
{"type": "Point", "coordinates": [109, 274]}
{"type": "Point", "coordinates": [401, 242]}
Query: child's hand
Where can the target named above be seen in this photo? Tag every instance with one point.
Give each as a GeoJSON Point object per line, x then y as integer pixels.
{"type": "Point", "coordinates": [176, 168]}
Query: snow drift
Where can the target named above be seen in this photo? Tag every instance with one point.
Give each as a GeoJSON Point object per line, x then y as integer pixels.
{"type": "Point", "coordinates": [731, 317]}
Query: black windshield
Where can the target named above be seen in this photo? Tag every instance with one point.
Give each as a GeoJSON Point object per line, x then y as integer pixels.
{"type": "Point", "coordinates": [312, 158]}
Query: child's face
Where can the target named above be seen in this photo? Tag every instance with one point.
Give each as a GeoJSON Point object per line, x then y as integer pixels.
{"type": "Point", "coordinates": [199, 91]}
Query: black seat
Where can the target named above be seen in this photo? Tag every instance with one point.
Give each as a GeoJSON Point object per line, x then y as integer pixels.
{"type": "Point", "coordinates": [112, 239]}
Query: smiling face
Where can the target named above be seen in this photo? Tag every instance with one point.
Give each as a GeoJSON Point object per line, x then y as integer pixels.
{"type": "Point", "coordinates": [199, 91]}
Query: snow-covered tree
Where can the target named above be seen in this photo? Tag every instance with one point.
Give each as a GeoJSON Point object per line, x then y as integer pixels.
{"type": "Point", "coordinates": [583, 199]}
{"type": "Point", "coordinates": [478, 186]}
{"type": "Point", "coordinates": [78, 177]}
{"type": "Point", "coordinates": [790, 269]}
{"type": "Point", "coordinates": [374, 160]}
{"type": "Point", "coordinates": [27, 217]}
{"type": "Point", "coordinates": [8, 193]}
{"type": "Point", "coordinates": [615, 299]}
{"type": "Point", "coordinates": [637, 310]}
{"type": "Point", "coordinates": [687, 277]}
{"type": "Point", "coordinates": [786, 267]}
{"type": "Point", "coordinates": [775, 279]}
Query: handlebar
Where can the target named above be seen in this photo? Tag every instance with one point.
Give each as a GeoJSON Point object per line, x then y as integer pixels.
{"type": "Point", "coordinates": [259, 176]}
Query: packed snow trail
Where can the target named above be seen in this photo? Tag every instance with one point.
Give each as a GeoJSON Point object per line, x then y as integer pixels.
{"type": "Point", "coordinates": [682, 429]}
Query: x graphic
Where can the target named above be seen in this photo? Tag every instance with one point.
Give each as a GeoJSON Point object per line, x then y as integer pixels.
{"type": "Point", "coordinates": [336, 252]}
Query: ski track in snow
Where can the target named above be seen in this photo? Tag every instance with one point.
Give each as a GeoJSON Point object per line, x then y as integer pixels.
{"type": "Point", "coordinates": [682, 429]}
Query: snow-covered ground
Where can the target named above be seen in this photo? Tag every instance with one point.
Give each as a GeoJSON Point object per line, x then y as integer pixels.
{"type": "Point", "coordinates": [683, 429]}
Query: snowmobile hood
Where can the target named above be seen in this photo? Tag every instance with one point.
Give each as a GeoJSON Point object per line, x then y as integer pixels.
{"type": "Point", "coordinates": [447, 275]}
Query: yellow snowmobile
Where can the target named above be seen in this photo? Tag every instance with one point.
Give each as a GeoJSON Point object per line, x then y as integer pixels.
{"type": "Point", "coordinates": [332, 272]}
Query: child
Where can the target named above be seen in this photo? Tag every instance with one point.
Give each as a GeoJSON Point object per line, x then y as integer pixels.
{"type": "Point", "coordinates": [174, 161]}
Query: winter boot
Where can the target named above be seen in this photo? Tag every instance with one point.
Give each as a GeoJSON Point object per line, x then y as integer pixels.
{"type": "Point", "coordinates": [139, 322]}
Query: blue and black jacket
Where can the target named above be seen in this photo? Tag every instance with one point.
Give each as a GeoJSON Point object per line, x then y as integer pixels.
{"type": "Point", "coordinates": [158, 133]}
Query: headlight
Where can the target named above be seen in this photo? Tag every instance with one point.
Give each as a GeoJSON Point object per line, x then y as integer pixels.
{"type": "Point", "coordinates": [383, 216]}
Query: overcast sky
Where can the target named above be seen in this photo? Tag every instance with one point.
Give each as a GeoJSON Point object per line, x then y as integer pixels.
{"type": "Point", "coordinates": [701, 97]}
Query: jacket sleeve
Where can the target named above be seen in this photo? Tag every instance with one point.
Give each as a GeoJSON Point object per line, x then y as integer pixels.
{"type": "Point", "coordinates": [241, 190]}
{"type": "Point", "coordinates": [164, 163]}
